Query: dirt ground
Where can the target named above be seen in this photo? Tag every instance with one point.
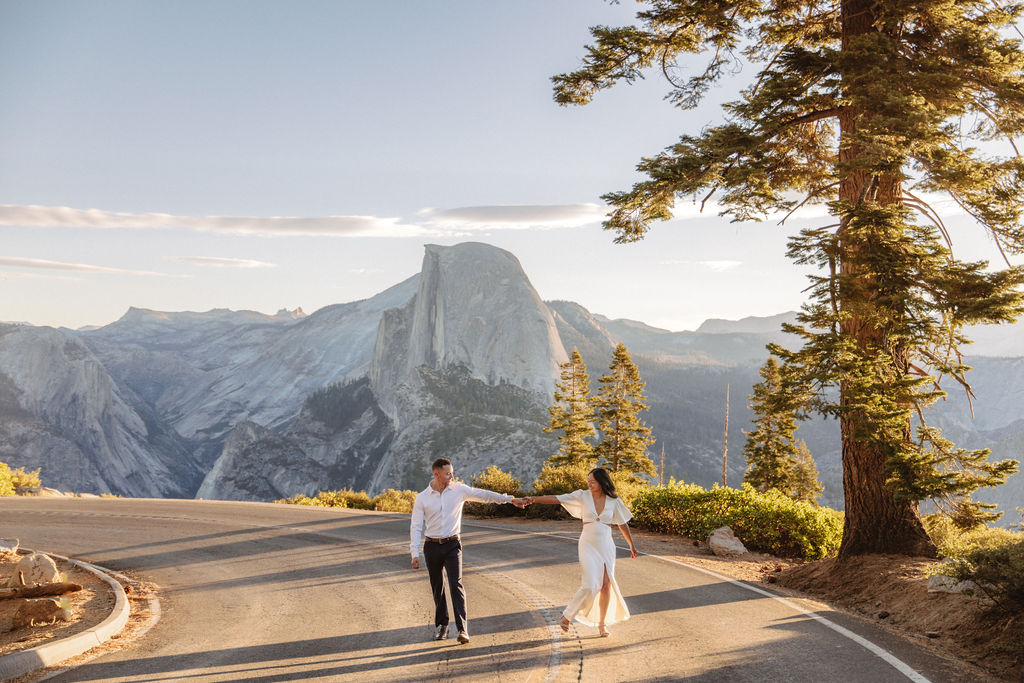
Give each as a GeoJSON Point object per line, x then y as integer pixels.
{"type": "Point", "coordinates": [89, 606]}
{"type": "Point", "coordinates": [893, 591]}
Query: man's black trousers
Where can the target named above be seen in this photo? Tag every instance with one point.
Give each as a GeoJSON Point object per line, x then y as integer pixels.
{"type": "Point", "coordinates": [446, 558]}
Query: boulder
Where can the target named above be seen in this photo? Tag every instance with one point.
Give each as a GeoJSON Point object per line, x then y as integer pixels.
{"type": "Point", "coordinates": [34, 569]}
{"type": "Point", "coordinates": [940, 583]}
{"type": "Point", "coordinates": [40, 611]}
{"type": "Point", "coordinates": [8, 547]}
{"type": "Point", "coordinates": [937, 583]}
{"type": "Point", "coordinates": [723, 542]}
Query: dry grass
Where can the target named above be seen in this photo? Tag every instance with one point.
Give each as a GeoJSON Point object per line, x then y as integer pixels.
{"type": "Point", "coordinates": [89, 606]}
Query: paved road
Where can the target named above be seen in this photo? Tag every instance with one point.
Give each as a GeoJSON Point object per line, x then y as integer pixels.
{"type": "Point", "coordinates": [266, 592]}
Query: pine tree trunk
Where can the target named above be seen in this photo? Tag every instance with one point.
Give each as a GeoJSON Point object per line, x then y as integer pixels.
{"type": "Point", "coordinates": [874, 522]}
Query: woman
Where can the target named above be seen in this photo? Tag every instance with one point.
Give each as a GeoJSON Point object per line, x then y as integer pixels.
{"type": "Point", "coordinates": [598, 600]}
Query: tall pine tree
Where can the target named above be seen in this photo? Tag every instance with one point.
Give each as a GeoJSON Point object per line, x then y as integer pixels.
{"type": "Point", "coordinates": [776, 459]}
{"type": "Point", "coordinates": [573, 415]}
{"type": "Point", "coordinates": [624, 436]}
{"type": "Point", "coordinates": [861, 105]}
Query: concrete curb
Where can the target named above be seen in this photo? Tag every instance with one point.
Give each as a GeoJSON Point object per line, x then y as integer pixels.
{"type": "Point", "coordinates": [26, 661]}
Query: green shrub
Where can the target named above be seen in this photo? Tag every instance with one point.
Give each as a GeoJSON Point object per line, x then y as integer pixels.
{"type": "Point", "coordinates": [557, 479]}
{"type": "Point", "coordinates": [953, 541]}
{"type": "Point", "coordinates": [20, 477]}
{"type": "Point", "coordinates": [998, 572]}
{"type": "Point", "coordinates": [388, 500]}
{"type": "Point", "coordinates": [346, 498]}
{"type": "Point", "coordinates": [393, 500]}
{"type": "Point", "coordinates": [297, 500]}
{"type": "Point", "coordinates": [767, 522]}
{"type": "Point", "coordinates": [494, 479]}
{"type": "Point", "coordinates": [10, 479]}
{"type": "Point", "coordinates": [6, 480]}
{"type": "Point", "coordinates": [499, 481]}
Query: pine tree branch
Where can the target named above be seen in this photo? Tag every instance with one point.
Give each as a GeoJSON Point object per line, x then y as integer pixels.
{"type": "Point", "coordinates": [975, 216]}
{"type": "Point", "coordinates": [808, 198]}
{"type": "Point", "coordinates": [707, 197]}
{"type": "Point", "coordinates": [992, 117]}
{"type": "Point", "coordinates": [939, 362]}
{"type": "Point", "coordinates": [765, 71]}
{"type": "Point", "coordinates": [1003, 9]}
{"type": "Point", "coordinates": [867, 189]}
{"type": "Point", "coordinates": [933, 216]}
{"type": "Point", "coordinates": [809, 118]}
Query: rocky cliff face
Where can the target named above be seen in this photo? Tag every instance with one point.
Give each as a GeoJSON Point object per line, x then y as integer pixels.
{"type": "Point", "coordinates": [476, 309]}
{"type": "Point", "coordinates": [459, 360]}
{"type": "Point", "coordinates": [464, 369]}
{"type": "Point", "coordinates": [60, 411]}
{"type": "Point", "coordinates": [337, 441]}
{"type": "Point", "coordinates": [206, 372]}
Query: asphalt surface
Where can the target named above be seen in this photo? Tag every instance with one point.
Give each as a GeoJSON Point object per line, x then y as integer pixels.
{"type": "Point", "coordinates": [263, 592]}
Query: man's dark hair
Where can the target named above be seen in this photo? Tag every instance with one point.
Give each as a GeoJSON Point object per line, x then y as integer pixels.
{"type": "Point", "coordinates": [439, 463]}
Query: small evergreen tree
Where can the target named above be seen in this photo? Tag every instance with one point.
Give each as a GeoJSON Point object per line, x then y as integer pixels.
{"type": "Point", "coordinates": [775, 458]}
{"type": "Point", "coordinates": [624, 436]}
{"type": "Point", "coordinates": [804, 484]}
{"type": "Point", "coordinates": [573, 415]}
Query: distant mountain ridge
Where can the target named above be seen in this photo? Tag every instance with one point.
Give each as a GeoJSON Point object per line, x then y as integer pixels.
{"type": "Point", "coordinates": [457, 360]}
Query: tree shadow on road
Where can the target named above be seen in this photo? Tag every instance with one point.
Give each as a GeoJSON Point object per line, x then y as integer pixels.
{"type": "Point", "coordinates": [404, 654]}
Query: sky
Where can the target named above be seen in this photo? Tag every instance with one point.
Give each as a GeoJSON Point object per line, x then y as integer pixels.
{"type": "Point", "coordinates": [266, 155]}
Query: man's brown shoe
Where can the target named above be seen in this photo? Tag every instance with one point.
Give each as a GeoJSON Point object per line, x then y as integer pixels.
{"type": "Point", "coordinates": [463, 637]}
{"type": "Point", "coordinates": [441, 632]}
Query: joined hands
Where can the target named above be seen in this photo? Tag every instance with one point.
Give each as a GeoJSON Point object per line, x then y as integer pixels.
{"type": "Point", "coordinates": [521, 502]}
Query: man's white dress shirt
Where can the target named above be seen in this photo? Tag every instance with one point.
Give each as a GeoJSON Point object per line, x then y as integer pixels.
{"type": "Point", "coordinates": [438, 514]}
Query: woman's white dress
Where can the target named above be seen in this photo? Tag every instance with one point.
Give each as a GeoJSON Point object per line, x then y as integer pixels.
{"type": "Point", "coordinates": [597, 554]}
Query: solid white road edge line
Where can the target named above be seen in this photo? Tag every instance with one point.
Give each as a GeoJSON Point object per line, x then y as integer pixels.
{"type": "Point", "coordinates": [874, 649]}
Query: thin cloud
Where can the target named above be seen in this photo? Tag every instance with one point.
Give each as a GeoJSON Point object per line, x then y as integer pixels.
{"type": "Point", "coordinates": [15, 275]}
{"type": "Point", "coordinates": [222, 262]}
{"type": "Point", "coordinates": [342, 226]}
{"type": "Point", "coordinates": [720, 265]}
{"type": "Point", "coordinates": [43, 264]}
{"type": "Point", "coordinates": [513, 217]}
{"type": "Point", "coordinates": [428, 222]}
{"type": "Point", "coordinates": [717, 266]}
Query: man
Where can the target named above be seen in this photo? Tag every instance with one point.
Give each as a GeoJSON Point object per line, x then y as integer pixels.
{"type": "Point", "coordinates": [437, 517]}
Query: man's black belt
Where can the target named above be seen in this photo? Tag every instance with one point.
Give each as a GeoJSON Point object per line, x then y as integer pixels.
{"type": "Point", "coordinates": [443, 540]}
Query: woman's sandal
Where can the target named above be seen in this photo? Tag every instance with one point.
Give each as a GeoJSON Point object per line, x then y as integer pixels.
{"type": "Point", "coordinates": [565, 624]}
{"type": "Point", "coordinates": [602, 630]}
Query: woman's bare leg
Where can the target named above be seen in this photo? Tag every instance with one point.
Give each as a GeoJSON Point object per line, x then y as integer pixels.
{"type": "Point", "coordinates": [603, 601]}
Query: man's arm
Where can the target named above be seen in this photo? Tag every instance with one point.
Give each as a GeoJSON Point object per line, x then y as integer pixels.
{"type": "Point", "coordinates": [416, 532]}
{"type": "Point", "coordinates": [484, 496]}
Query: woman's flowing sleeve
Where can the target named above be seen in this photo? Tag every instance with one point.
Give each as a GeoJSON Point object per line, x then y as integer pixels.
{"type": "Point", "coordinates": [621, 513]}
{"type": "Point", "coordinates": [572, 502]}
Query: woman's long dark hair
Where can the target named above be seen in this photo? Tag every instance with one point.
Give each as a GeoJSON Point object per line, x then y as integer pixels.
{"type": "Point", "coordinates": [605, 481]}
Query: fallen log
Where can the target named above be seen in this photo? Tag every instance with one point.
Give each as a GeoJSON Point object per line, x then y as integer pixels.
{"type": "Point", "coordinates": [59, 588]}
